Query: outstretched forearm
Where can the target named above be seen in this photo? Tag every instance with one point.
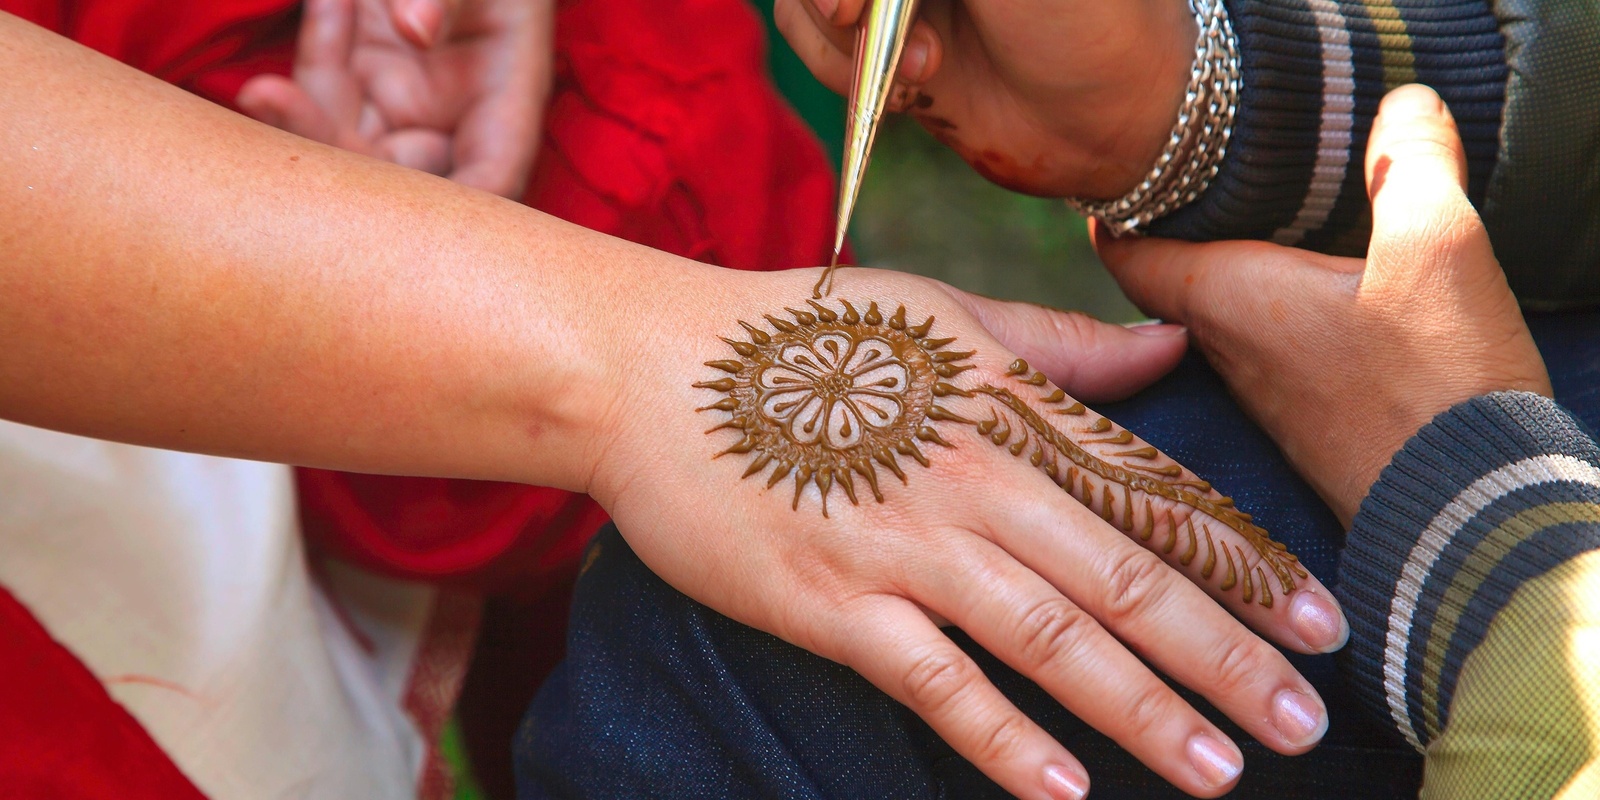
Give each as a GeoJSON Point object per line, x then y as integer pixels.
{"type": "Point", "coordinates": [176, 275]}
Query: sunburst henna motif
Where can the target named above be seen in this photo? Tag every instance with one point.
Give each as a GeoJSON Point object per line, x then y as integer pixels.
{"type": "Point", "coordinates": [835, 394]}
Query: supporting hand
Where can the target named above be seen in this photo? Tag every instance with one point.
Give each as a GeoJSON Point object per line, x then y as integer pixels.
{"type": "Point", "coordinates": [1050, 98]}
{"type": "Point", "coordinates": [1342, 360]}
{"type": "Point", "coordinates": [452, 87]}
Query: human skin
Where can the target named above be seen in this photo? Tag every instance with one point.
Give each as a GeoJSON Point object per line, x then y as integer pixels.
{"type": "Point", "coordinates": [1378, 346]}
{"type": "Point", "coordinates": [1057, 99]}
{"type": "Point", "coordinates": [281, 300]}
{"type": "Point", "coordinates": [451, 87]}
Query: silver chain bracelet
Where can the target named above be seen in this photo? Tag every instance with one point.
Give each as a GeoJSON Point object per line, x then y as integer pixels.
{"type": "Point", "coordinates": [1199, 140]}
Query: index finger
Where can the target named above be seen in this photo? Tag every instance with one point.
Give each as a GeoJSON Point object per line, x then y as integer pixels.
{"type": "Point", "coordinates": [827, 50]}
{"type": "Point", "coordinates": [1169, 279]}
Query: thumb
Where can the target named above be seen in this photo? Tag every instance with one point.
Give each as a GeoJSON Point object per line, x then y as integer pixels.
{"type": "Point", "coordinates": [424, 23]}
{"type": "Point", "coordinates": [1416, 177]}
{"type": "Point", "coordinates": [1089, 359]}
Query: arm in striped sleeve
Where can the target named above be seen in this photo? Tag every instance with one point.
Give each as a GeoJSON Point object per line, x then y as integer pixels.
{"type": "Point", "coordinates": [1471, 580]}
{"type": "Point", "coordinates": [1314, 72]}
{"type": "Point", "coordinates": [1522, 78]}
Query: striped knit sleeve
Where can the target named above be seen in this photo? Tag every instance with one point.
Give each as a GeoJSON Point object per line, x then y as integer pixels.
{"type": "Point", "coordinates": [1471, 580]}
{"type": "Point", "coordinates": [1542, 205]}
{"type": "Point", "coordinates": [1314, 72]}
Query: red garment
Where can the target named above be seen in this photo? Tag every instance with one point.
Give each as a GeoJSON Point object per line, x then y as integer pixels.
{"type": "Point", "coordinates": [61, 734]}
{"type": "Point", "coordinates": [663, 129]}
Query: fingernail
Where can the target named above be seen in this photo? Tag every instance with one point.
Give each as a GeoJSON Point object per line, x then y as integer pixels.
{"type": "Point", "coordinates": [914, 61]}
{"type": "Point", "coordinates": [420, 16]}
{"type": "Point", "coordinates": [1065, 784]}
{"type": "Point", "coordinates": [1318, 622]}
{"type": "Point", "coordinates": [1299, 717]}
{"type": "Point", "coordinates": [827, 7]}
{"type": "Point", "coordinates": [1217, 763]}
{"type": "Point", "coordinates": [1415, 101]}
{"type": "Point", "coordinates": [1157, 329]}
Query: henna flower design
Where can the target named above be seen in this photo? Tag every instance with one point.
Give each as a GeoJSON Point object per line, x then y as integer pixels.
{"type": "Point", "coordinates": [833, 388]}
{"type": "Point", "coordinates": [834, 395]}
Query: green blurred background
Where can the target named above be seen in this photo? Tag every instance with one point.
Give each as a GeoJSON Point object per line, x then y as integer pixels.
{"type": "Point", "coordinates": [923, 210]}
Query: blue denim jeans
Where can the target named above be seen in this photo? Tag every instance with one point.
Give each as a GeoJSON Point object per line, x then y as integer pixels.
{"type": "Point", "coordinates": [661, 697]}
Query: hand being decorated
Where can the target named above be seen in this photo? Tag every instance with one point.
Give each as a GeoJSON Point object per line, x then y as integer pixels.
{"type": "Point", "coordinates": [843, 472]}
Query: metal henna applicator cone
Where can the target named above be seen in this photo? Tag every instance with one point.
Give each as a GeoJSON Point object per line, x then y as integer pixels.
{"type": "Point", "coordinates": [879, 43]}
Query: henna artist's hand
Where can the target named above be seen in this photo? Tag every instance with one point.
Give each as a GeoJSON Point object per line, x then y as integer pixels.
{"type": "Point", "coordinates": [451, 87]}
{"type": "Point", "coordinates": [1342, 360]}
{"type": "Point", "coordinates": [1056, 99]}
{"type": "Point", "coordinates": [879, 466]}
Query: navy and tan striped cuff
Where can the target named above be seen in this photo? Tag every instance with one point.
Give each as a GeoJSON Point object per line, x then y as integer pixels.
{"type": "Point", "coordinates": [1314, 74]}
{"type": "Point", "coordinates": [1490, 495]}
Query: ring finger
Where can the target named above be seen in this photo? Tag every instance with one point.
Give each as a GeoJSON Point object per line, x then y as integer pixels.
{"type": "Point", "coordinates": [1017, 615]}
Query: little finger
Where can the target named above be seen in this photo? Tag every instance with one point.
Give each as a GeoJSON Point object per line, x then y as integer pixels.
{"type": "Point", "coordinates": [900, 651]}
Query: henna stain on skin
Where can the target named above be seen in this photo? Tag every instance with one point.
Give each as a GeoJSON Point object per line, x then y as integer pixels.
{"type": "Point", "coordinates": [996, 167]}
{"type": "Point", "coordinates": [833, 395]}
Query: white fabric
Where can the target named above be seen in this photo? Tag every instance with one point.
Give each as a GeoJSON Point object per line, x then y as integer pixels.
{"type": "Point", "coordinates": [180, 581]}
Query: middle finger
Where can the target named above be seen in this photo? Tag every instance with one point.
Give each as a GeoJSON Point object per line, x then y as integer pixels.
{"type": "Point", "coordinates": [1015, 614]}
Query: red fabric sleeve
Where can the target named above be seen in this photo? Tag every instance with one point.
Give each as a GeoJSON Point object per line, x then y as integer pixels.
{"type": "Point", "coordinates": [207, 48]}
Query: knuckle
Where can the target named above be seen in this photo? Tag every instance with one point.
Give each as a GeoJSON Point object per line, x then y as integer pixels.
{"type": "Point", "coordinates": [1002, 742]}
{"type": "Point", "coordinates": [1050, 631]}
{"type": "Point", "coordinates": [1147, 710]}
{"type": "Point", "coordinates": [937, 678]}
{"type": "Point", "coordinates": [820, 571]}
{"type": "Point", "coordinates": [1076, 328]}
{"type": "Point", "coordinates": [1238, 664]}
{"type": "Point", "coordinates": [1136, 582]}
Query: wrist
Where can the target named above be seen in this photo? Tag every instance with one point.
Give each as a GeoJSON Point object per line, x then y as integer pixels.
{"type": "Point", "coordinates": [1141, 107]}
{"type": "Point", "coordinates": [587, 345]}
{"type": "Point", "coordinates": [1192, 152]}
{"type": "Point", "coordinates": [642, 335]}
{"type": "Point", "coordinates": [1376, 440]}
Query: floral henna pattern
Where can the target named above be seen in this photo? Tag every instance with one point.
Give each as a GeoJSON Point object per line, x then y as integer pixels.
{"type": "Point", "coordinates": [833, 396]}
{"type": "Point", "coordinates": [836, 394]}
